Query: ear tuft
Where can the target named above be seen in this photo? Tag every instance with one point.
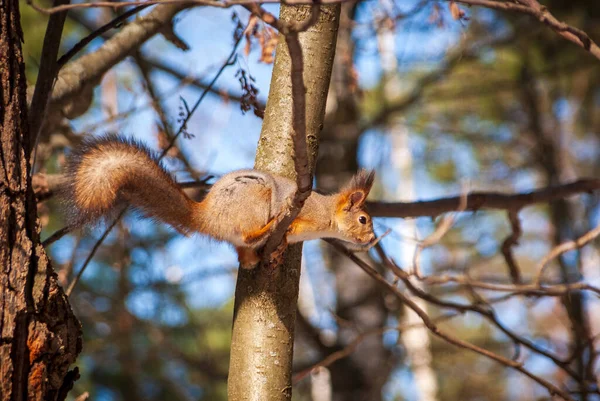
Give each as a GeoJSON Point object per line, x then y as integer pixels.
{"type": "Point", "coordinates": [356, 191]}
{"type": "Point", "coordinates": [362, 181]}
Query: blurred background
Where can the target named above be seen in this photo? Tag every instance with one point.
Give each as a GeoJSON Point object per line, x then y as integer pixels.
{"type": "Point", "coordinates": [436, 98]}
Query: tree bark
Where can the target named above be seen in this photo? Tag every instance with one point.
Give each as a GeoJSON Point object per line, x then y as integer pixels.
{"type": "Point", "coordinates": [265, 301]}
{"type": "Point", "coordinates": [39, 335]}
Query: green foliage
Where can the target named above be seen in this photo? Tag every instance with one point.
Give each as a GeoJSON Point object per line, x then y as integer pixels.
{"type": "Point", "coordinates": [34, 28]}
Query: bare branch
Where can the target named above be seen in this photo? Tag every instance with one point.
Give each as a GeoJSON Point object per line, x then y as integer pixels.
{"type": "Point", "coordinates": [509, 242]}
{"type": "Point", "coordinates": [565, 247]}
{"type": "Point", "coordinates": [62, 232]}
{"type": "Point", "coordinates": [435, 330]}
{"type": "Point", "coordinates": [482, 200]}
{"type": "Point", "coordinates": [98, 32]}
{"type": "Point", "coordinates": [47, 73]}
{"type": "Point", "coordinates": [437, 235]}
{"type": "Point", "coordinates": [542, 14]}
{"type": "Point", "coordinates": [73, 89]}
{"type": "Point", "coordinates": [185, 3]}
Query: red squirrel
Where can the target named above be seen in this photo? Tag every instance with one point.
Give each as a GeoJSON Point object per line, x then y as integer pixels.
{"type": "Point", "coordinates": [240, 208]}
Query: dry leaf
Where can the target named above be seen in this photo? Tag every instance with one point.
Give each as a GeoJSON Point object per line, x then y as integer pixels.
{"type": "Point", "coordinates": [456, 11]}
{"type": "Point", "coordinates": [268, 42]}
{"type": "Point", "coordinates": [249, 32]}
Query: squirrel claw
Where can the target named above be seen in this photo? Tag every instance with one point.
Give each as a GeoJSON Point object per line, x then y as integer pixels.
{"type": "Point", "coordinates": [276, 257]}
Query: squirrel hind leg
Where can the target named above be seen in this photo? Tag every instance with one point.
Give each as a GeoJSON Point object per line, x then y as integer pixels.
{"type": "Point", "coordinates": [252, 238]}
{"type": "Point", "coordinates": [247, 257]}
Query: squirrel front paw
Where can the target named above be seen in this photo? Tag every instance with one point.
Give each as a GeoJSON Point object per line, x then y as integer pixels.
{"type": "Point", "coordinates": [276, 257]}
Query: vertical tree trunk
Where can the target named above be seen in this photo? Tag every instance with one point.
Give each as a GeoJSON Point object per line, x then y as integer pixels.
{"type": "Point", "coordinates": [39, 335]}
{"type": "Point", "coordinates": [265, 301]}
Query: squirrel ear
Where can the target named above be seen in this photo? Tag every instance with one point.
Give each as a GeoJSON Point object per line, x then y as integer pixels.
{"type": "Point", "coordinates": [356, 199]}
{"type": "Point", "coordinates": [356, 191]}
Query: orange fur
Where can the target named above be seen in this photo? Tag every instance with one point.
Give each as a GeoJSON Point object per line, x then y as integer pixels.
{"type": "Point", "coordinates": [300, 225]}
{"type": "Point", "coordinates": [247, 257]}
{"type": "Point", "coordinates": [254, 236]}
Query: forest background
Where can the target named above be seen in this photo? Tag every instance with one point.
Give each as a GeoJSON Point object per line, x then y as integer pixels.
{"type": "Point", "coordinates": [441, 100]}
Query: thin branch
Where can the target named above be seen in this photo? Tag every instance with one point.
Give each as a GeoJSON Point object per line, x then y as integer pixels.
{"type": "Point", "coordinates": [160, 65]}
{"type": "Point", "coordinates": [552, 389]}
{"type": "Point", "coordinates": [98, 32]}
{"type": "Point", "coordinates": [437, 235]}
{"type": "Point", "coordinates": [565, 247]}
{"type": "Point", "coordinates": [65, 230]}
{"type": "Point", "coordinates": [481, 309]}
{"type": "Point", "coordinates": [187, 3]}
{"type": "Point", "coordinates": [93, 252]}
{"type": "Point", "coordinates": [58, 234]}
{"type": "Point", "coordinates": [229, 62]}
{"type": "Point", "coordinates": [509, 242]}
{"type": "Point", "coordinates": [525, 289]}
{"type": "Point", "coordinates": [46, 75]}
{"type": "Point", "coordinates": [482, 200]}
{"type": "Point", "coordinates": [542, 14]}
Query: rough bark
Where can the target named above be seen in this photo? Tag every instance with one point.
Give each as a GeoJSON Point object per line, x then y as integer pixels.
{"type": "Point", "coordinates": [265, 301]}
{"type": "Point", "coordinates": [39, 335]}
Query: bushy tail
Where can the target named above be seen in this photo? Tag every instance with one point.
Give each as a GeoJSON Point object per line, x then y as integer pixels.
{"type": "Point", "coordinates": [108, 173]}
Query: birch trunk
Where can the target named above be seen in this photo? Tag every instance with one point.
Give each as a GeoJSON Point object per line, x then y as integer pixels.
{"type": "Point", "coordinates": [265, 301]}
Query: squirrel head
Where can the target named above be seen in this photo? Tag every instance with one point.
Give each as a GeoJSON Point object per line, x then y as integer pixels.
{"type": "Point", "coordinates": [352, 220]}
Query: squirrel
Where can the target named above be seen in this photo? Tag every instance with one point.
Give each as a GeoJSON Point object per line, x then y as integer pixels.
{"type": "Point", "coordinates": [109, 172]}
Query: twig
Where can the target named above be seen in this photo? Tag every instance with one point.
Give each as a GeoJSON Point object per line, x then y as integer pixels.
{"type": "Point", "coordinates": [93, 252]}
{"type": "Point", "coordinates": [542, 14]}
{"type": "Point", "coordinates": [482, 310]}
{"type": "Point", "coordinates": [46, 76]}
{"type": "Point", "coordinates": [565, 247]}
{"type": "Point", "coordinates": [217, 4]}
{"type": "Point", "coordinates": [526, 289]}
{"type": "Point", "coordinates": [350, 348]}
{"type": "Point", "coordinates": [552, 389]}
{"type": "Point", "coordinates": [98, 32]}
{"type": "Point", "coordinates": [509, 242]}
{"type": "Point", "coordinates": [437, 235]}
{"type": "Point", "coordinates": [58, 234]}
{"type": "Point", "coordinates": [228, 62]}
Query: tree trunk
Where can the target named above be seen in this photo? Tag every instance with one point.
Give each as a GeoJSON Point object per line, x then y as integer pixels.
{"type": "Point", "coordinates": [39, 335]}
{"type": "Point", "coordinates": [265, 301]}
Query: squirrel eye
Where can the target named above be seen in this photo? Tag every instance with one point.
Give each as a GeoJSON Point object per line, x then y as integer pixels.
{"type": "Point", "coordinates": [362, 220]}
